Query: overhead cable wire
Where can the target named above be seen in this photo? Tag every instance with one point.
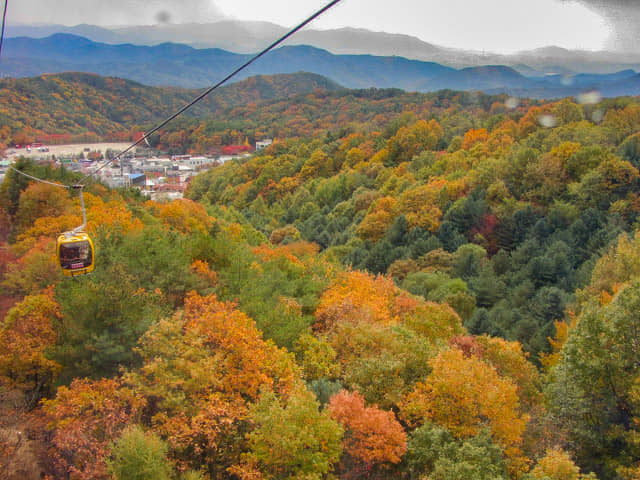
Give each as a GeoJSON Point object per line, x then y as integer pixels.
{"type": "Point", "coordinates": [41, 180]}
{"type": "Point", "coordinates": [217, 85]}
{"type": "Point", "coordinates": [74, 187]}
{"type": "Point", "coordinates": [4, 17]}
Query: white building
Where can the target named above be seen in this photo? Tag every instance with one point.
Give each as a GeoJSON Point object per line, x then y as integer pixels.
{"type": "Point", "coordinates": [195, 162]}
{"type": "Point", "coordinates": [263, 143]}
{"type": "Point", "coordinates": [117, 181]}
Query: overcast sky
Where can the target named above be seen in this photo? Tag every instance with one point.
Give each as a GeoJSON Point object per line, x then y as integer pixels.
{"type": "Point", "coordinates": [492, 25]}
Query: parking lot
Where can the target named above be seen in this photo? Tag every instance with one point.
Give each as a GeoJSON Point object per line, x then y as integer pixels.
{"type": "Point", "coordinates": [72, 150]}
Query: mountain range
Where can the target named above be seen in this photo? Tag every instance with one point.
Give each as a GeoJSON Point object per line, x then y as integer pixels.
{"type": "Point", "coordinates": [172, 64]}
{"type": "Point", "coordinates": [250, 37]}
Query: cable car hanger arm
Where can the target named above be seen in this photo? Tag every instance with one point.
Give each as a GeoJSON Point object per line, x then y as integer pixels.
{"type": "Point", "coordinates": [84, 212]}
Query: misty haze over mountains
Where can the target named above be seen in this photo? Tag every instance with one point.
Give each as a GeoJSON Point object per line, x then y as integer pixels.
{"type": "Point", "coordinates": [195, 55]}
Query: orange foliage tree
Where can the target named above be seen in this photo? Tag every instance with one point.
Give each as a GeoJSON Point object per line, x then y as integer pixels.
{"type": "Point", "coordinates": [111, 217]}
{"type": "Point", "coordinates": [503, 136]}
{"type": "Point", "coordinates": [530, 122]}
{"type": "Point", "coordinates": [474, 136]}
{"type": "Point", "coordinates": [382, 336]}
{"type": "Point", "coordinates": [373, 437]}
{"type": "Point", "coordinates": [357, 296]}
{"type": "Point", "coordinates": [202, 368]}
{"type": "Point", "coordinates": [84, 419]}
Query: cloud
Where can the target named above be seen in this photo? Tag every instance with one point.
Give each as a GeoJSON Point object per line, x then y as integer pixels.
{"type": "Point", "coordinates": [623, 17]}
{"type": "Point", "coordinates": [113, 12]}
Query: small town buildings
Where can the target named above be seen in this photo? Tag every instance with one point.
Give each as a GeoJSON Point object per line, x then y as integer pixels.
{"type": "Point", "coordinates": [164, 177]}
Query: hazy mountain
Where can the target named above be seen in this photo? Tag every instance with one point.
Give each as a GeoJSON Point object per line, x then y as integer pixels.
{"type": "Point", "coordinates": [180, 65]}
{"type": "Point", "coordinates": [478, 78]}
{"type": "Point", "coordinates": [250, 37]}
{"type": "Point", "coordinates": [171, 64]}
{"type": "Point", "coordinates": [92, 32]}
{"type": "Point", "coordinates": [234, 36]}
{"type": "Point", "coordinates": [360, 41]}
{"type": "Point", "coordinates": [589, 80]}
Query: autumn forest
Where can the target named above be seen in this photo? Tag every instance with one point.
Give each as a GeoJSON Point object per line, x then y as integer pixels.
{"type": "Point", "coordinates": [440, 286]}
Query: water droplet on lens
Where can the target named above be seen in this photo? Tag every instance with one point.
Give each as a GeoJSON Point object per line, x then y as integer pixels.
{"type": "Point", "coordinates": [163, 16]}
{"type": "Point", "coordinates": [566, 80]}
{"type": "Point", "coordinates": [547, 120]}
{"type": "Point", "coordinates": [589, 98]}
{"type": "Point", "coordinates": [512, 103]}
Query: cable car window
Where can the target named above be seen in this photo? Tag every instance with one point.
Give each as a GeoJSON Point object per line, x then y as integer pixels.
{"type": "Point", "coordinates": [75, 255]}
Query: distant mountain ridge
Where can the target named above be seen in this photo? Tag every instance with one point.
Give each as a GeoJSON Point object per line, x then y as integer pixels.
{"type": "Point", "coordinates": [249, 37]}
{"type": "Point", "coordinates": [171, 64]}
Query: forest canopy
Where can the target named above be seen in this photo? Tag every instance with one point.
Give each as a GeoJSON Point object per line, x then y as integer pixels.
{"type": "Point", "coordinates": [438, 286]}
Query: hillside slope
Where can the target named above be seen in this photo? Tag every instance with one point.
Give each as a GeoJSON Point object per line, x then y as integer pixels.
{"type": "Point", "coordinates": [411, 285]}
{"type": "Point", "coordinates": [72, 103]}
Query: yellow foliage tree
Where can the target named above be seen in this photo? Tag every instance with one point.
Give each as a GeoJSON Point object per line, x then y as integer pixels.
{"type": "Point", "coordinates": [41, 200]}
{"type": "Point", "coordinates": [380, 217]}
{"type": "Point", "coordinates": [25, 335]}
{"type": "Point", "coordinates": [112, 216]}
{"type": "Point", "coordinates": [357, 297]}
{"type": "Point", "coordinates": [557, 465]}
{"type": "Point", "coordinates": [434, 321]}
{"type": "Point", "coordinates": [186, 216]}
{"type": "Point", "coordinates": [466, 395]}
{"type": "Point", "coordinates": [511, 361]}
{"type": "Point", "coordinates": [422, 206]}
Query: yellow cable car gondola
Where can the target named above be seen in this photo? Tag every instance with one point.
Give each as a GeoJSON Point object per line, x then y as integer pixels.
{"type": "Point", "coordinates": [76, 253]}
{"type": "Point", "coordinates": [74, 249]}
